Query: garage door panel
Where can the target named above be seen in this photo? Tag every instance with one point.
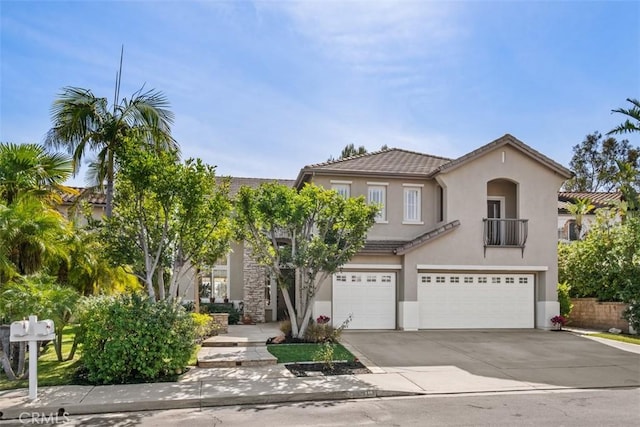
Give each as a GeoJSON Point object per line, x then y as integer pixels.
{"type": "Point", "coordinates": [369, 298]}
{"type": "Point", "coordinates": [467, 301]}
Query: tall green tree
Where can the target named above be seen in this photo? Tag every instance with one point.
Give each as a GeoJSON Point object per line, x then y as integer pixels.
{"type": "Point", "coordinates": [168, 217]}
{"type": "Point", "coordinates": [632, 123]}
{"type": "Point", "coordinates": [596, 161]}
{"type": "Point", "coordinates": [83, 122]}
{"type": "Point", "coordinates": [324, 229]}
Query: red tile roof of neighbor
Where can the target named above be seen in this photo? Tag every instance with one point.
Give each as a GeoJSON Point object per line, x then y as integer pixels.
{"type": "Point", "coordinates": [94, 197]}
{"type": "Point", "coordinates": [598, 199]}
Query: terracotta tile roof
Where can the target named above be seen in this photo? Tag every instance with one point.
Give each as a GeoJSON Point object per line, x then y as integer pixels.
{"type": "Point", "coordinates": [392, 161]}
{"type": "Point", "coordinates": [504, 140]}
{"type": "Point", "coordinates": [598, 199]}
{"type": "Point", "coordinates": [93, 197]}
{"type": "Point", "coordinates": [426, 237]}
{"type": "Point", "coordinates": [237, 182]}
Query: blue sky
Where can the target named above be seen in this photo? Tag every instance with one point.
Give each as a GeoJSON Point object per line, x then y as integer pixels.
{"type": "Point", "coordinates": [262, 88]}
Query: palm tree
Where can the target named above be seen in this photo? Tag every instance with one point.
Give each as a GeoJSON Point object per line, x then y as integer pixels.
{"type": "Point", "coordinates": [632, 113]}
{"type": "Point", "coordinates": [579, 208]}
{"type": "Point", "coordinates": [31, 234]}
{"type": "Point", "coordinates": [84, 122]}
{"type": "Point", "coordinates": [28, 169]}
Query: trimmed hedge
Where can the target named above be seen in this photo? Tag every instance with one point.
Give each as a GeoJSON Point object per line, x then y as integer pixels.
{"type": "Point", "coordinates": [234, 315]}
{"type": "Point", "coordinates": [129, 338]}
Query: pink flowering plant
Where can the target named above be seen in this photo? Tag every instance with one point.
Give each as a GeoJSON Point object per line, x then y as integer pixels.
{"type": "Point", "coordinates": [558, 321]}
{"type": "Point", "coordinates": [322, 319]}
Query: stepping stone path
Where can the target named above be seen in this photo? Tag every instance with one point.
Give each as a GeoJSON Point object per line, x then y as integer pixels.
{"type": "Point", "coordinates": [244, 345]}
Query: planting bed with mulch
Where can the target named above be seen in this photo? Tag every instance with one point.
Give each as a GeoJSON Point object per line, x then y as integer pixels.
{"type": "Point", "coordinates": [319, 368]}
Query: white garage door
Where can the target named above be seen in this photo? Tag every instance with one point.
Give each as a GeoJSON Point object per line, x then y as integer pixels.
{"type": "Point", "coordinates": [369, 298]}
{"type": "Point", "coordinates": [475, 301]}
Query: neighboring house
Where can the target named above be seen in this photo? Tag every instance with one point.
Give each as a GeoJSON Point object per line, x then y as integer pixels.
{"type": "Point", "coordinates": [70, 206]}
{"type": "Point", "coordinates": [462, 243]}
{"type": "Point", "coordinates": [567, 225]}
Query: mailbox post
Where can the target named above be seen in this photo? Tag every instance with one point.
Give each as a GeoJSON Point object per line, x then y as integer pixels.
{"type": "Point", "coordinates": [32, 331]}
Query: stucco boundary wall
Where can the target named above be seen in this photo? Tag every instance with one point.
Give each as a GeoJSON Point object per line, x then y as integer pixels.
{"type": "Point", "coordinates": [593, 314]}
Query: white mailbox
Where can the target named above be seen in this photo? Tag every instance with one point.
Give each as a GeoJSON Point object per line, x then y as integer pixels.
{"type": "Point", "coordinates": [33, 331]}
{"type": "Point", "coordinates": [44, 330]}
{"type": "Point", "coordinates": [19, 331]}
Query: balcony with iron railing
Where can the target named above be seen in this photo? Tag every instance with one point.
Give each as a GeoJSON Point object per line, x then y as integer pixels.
{"type": "Point", "coordinates": [505, 233]}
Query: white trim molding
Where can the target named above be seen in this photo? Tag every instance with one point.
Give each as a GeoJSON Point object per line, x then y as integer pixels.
{"type": "Point", "coordinates": [337, 181]}
{"type": "Point", "coordinates": [372, 267]}
{"type": "Point", "coordinates": [482, 267]}
{"type": "Point", "coordinates": [378, 183]}
{"type": "Point", "coordinates": [412, 185]}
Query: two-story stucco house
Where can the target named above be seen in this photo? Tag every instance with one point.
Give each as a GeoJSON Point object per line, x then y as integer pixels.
{"type": "Point", "coordinates": [459, 243]}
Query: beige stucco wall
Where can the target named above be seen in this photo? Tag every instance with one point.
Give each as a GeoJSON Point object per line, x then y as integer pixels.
{"type": "Point", "coordinates": [537, 188]}
{"type": "Point", "coordinates": [393, 229]}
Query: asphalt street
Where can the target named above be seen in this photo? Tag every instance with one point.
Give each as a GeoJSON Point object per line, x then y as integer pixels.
{"type": "Point", "coordinates": [607, 407]}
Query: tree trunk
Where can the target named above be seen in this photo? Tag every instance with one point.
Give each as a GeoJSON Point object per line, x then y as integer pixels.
{"type": "Point", "coordinates": [292, 313]}
{"type": "Point", "coordinates": [109, 202]}
{"type": "Point", "coordinates": [161, 290]}
{"type": "Point", "coordinates": [74, 347]}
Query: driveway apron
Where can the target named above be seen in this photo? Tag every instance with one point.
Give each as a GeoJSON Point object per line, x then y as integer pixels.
{"type": "Point", "coordinates": [556, 359]}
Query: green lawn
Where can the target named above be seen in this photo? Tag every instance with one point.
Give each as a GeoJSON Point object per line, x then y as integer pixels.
{"type": "Point", "coordinates": [289, 353]}
{"type": "Point", "coordinates": [630, 339]}
{"type": "Point", "coordinates": [50, 371]}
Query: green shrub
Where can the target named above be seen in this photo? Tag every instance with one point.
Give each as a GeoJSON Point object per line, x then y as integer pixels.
{"type": "Point", "coordinates": [129, 338]}
{"type": "Point", "coordinates": [321, 333]}
{"type": "Point", "coordinates": [234, 315]}
{"type": "Point", "coordinates": [205, 326]}
{"type": "Point", "coordinates": [564, 299]}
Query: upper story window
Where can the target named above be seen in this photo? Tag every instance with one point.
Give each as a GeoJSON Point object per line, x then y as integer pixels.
{"type": "Point", "coordinates": [342, 187]}
{"type": "Point", "coordinates": [377, 195]}
{"type": "Point", "coordinates": [412, 203]}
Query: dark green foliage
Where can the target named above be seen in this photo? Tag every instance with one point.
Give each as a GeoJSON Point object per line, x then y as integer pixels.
{"type": "Point", "coordinates": [234, 314]}
{"type": "Point", "coordinates": [564, 299]}
{"type": "Point", "coordinates": [606, 264]}
{"type": "Point", "coordinates": [130, 338]}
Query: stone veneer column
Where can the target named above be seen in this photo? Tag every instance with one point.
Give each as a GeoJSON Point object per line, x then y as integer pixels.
{"type": "Point", "coordinates": [255, 279]}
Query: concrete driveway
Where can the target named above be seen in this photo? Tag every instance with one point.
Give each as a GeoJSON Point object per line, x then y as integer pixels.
{"type": "Point", "coordinates": [462, 361]}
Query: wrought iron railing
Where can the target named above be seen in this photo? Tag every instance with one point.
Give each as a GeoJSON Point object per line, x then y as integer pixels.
{"type": "Point", "coordinates": [510, 233]}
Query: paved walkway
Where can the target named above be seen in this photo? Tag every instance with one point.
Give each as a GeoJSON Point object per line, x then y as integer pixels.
{"type": "Point", "coordinates": [202, 387]}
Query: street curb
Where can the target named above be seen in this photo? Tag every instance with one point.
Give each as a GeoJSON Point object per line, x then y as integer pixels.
{"type": "Point", "coordinates": [15, 412]}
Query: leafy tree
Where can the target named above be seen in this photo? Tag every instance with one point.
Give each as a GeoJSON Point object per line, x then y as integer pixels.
{"type": "Point", "coordinates": [37, 294]}
{"type": "Point", "coordinates": [323, 229]}
{"type": "Point", "coordinates": [87, 269]}
{"type": "Point", "coordinates": [596, 161]}
{"type": "Point", "coordinates": [606, 264]}
{"type": "Point", "coordinates": [632, 123]}
{"type": "Point", "coordinates": [168, 215]}
{"type": "Point", "coordinates": [83, 122]}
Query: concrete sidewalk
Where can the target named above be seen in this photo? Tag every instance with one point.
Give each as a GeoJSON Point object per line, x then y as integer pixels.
{"type": "Point", "coordinates": [202, 387]}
